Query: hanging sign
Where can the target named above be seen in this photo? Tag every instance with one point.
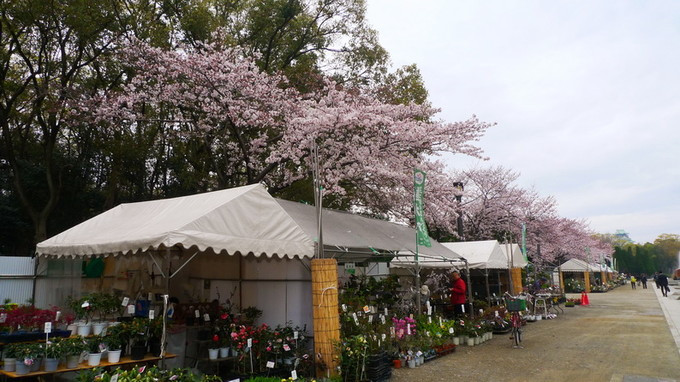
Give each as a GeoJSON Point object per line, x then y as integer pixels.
{"type": "Point", "coordinates": [350, 268]}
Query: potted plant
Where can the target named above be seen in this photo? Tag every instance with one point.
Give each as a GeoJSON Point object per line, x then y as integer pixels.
{"type": "Point", "coordinates": [94, 349]}
{"type": "Point", "coordinates": [53, 352]}
{"type": "Point", "coordinates": [214, 349]}
{"type": "Point", "coordinates": [137, 331]}
{"type": "Point", "coordinates": [83, 310]}
{"type": "Point", "coordinates": [10, 357]}
{"type": "Point", "coordinates": [27, 357]}
{"type": "Point", "coordinates": [114, 345]}
{"type": "Point", "coordinates": [155, 335]}
{"type": "Point", "coordinates": [72, 348]}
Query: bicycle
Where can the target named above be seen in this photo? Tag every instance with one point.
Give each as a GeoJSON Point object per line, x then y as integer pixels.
{"type": "Point", "coordinates": [515, 304]}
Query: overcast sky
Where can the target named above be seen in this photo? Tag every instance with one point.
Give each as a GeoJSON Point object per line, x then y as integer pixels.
{"type": "Point", "coordinates": [586, 96]}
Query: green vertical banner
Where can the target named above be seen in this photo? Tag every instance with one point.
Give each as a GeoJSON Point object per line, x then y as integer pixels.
{"type": "Point", "coordinates": [524, 242]}
{"type": "Point", "coordinates": [422, 237]}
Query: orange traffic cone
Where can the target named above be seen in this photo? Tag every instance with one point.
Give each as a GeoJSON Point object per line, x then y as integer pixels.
{"type": "Point", "coordinates": [584, 299]}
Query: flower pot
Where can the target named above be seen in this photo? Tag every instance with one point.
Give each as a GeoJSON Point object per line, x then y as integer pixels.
{"type": "Point", "coordinates": [213, 353]}
{"type": "Point", "coordinates": [137, 352]}
{"type": "Point", "coordinates": [539, 318]}
{"type": "Point", "coordinates": [114, 356]}
{"type": "Point", "coordinates": [51, 364]}
{"type": "Point", "coordinates": [396, 363]}
{"type": "Point", "coordinates": [155, 347]}
{"type": "Point", "coordinates": [234, 352]}
{"type": "Point", "coordinates": [411, 363]}
{"type": "Point", "coordinates": [478, 340]}
{"type": "Point", "coordinates": [10, 364]}
{"type": "Point", "coordinates": [98, 327]}
{"type": "Point", "coordinates": [21, 368]}
{"type": "Point", "coordinates": [94, 359]}
{"type": "Point", "coordinates": [470, 341]}
{"type": "Point", "coordinates": [84, 330]}
{"type": "Point", "coordinates": [421, 359]}
{"type": "Point", "coordinates": [72, 361]}
{"type": "Point", "coordinates": [73, 328]}
{"type": "Point", "coordinates": [456, 341]}
{"type": "Point", "coordinates": [224, 352]}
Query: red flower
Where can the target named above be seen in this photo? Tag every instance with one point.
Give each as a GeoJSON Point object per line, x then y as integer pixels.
{"type": "Point", "coordinates": [216, 338]}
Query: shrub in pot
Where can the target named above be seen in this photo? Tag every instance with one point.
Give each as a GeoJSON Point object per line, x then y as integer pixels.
{"type": "Point", "coordinates": [94, 349]}
{"type": "Point", "coordinates": [10, 357]}
{"type": "Point", "coordinates": [72, 348]}
{"type": "Point", "coordinates": [53, 352]}
{"type": "Point", "coordinates": [137, 331]}
{"type": "Point", "coordinates": [114, 345]}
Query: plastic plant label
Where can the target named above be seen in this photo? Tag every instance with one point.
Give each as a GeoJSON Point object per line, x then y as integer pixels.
{"type": "Point", "coordinates": [419, 353]}
{"type": "Point", "coordinates": [206, 317]}
{"type": "Point", "coordinates": [495, 313]}
{"type": "Point", "coordinates": [270, 364]}
{"type": "Point", "coordinates": [197, 313]}
{"type": "Point", "coordinates": [3, 318]}
{"type": "Point", "coordinates": [131, 309]}
{"type": "Point", "coordinates": [383, 336]}
{"type": "Point", "coordinates": [344, 307]}
{"type": "Point", "coordinates": [429, 310]}
{"type": "Point", "coordinates": [86, 304]}
{"type": "Point", "coordinates": [152, 314]}
{"type": "Point", "coordinates": [408, 329]}
{"type": "Point", "coordinates": [48, 327]}
{"type": "Point", "coordinates": [356, 319]}
{"type": "Point", "coordinates": [385, 312]}
{"type": "Point", "coordinates": [293, 375]}
{"type": "Point", "coordinates": [429, 320]}
{"type": "Point", "coordinates": [370, 319]}
{"type": "Point", "coordinates": [150, 296]}
{"type": "Point", "coordinates": [295, 335]}
{"type": "Point", "coordinates": [235, 380]}
{"type": "Point", "coordinates": [367, 309]}
{"type": "Point", "coordinates": [286, 347]}
{"type": "Point", "coordinates": [463, 307]}
{"type": "Point", "coordinates": [114, 378]}
{"type": "Point", "coordinates": [382, 319]}
{"type": "Point", "coordinates": [250, 342]}
{"type": "Point", "coordinates": [126, 301]}
{"type": "Point", "coordinates": [427, 305]}
{"type": "Point", "coordinates": [57, 316]}
{"type": "Point", "coordinates": [410, 316]}
{"type": "Point", "coordinates": [450, 330]}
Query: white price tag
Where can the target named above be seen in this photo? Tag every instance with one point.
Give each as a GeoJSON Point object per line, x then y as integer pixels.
{"type": "Point", "coordinates": [286, 347]}
{"type": "Point", "coordinates": [370, 319]}
{"type": "Point", "coordinates": [463, 306]}
{"type": "Point", "coordinates": [197, 313]}
{"type": "Point", "coordinates": [270, 364]}
{"type": "Point", "coordinates": [114, 378]}
{"type": "Point", "coordinates": [250, 342]}
{"type": "Point", "coordinates": [356, 319]}
{"type": "Point", "coordinates": [151, 314]}
{"type": "Point", "coordinates": [495, 313]}
{"type": "Point", "coordinates": [57, 316]}
{"type": "Point", "coordinates": [295, 335]}
{"type": "Point", "coordinates": [429, 310]}
{"type": "Point", "coordinates": [408, 329]}
{"type": "Point", "coordinates": [450, 330]}
{"type": "Point", "coordinates": [429, 319]}
{"type": "Point", "coordinates": [293, 375]}
{"type": "Point", "coordinates": [385, 312]}
{"type": "Point", "coordinates": [126, 301]}
{"type": "Point", "coordinates": [382, 319]}
{"type": "Point", "coordinates": [383, 336]}
{"type": "Point", "coordinates": [206, 317]}
{"type": "Point", "coordinates": [131, 309]}
{"type": "Point", "coordinates": [344, 307]}
{"type": "Point", "coordinates": [48, 327]}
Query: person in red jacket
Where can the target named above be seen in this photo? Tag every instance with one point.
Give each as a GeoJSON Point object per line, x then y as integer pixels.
{"type": "Point", "coordinates": [458, 294]}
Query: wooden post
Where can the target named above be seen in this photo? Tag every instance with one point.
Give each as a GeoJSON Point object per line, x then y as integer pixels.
{"type": "Point", "coordinates": [516, 274]}
{"type": "Point", "coordinates": [603, 275]}
{"type": "Point", "coordinates": [326, 315]}
{"type": "Point", "coordinates": [562, 286]}
{"type": "Point", "coordinates": [587, 282]}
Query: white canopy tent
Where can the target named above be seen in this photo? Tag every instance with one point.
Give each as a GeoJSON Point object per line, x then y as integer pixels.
{"type": "Point", "coordinates": [577, 265]}
{"type": "Point", "coordinates": [486, 254]}
{"type": "Point", "coordinates": [518, 260]}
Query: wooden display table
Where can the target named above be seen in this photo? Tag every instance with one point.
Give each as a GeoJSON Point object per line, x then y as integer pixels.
{"type": "Point", "coordinates": [84, 366]}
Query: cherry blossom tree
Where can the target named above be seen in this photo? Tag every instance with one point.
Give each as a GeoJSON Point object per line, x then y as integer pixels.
{"type": "Point", "coordinates": [258, 129]}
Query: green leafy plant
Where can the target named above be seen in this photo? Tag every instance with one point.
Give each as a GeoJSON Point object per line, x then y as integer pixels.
{"type": "Point", "coordinates": [72, 345]}
{"type": "Point", "coordinates": [54, 349]}
{"type": "Point", "coordinates": [93, 344]}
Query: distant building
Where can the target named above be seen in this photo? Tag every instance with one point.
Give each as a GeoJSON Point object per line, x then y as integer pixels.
{"type": "Point", "coordinates": [623, 236]}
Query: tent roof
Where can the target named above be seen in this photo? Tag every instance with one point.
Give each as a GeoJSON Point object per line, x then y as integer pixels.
{"type": "Point", "coordinates": [243, 219]}
{"type": "Point", "coordinates": [486, 254]}
{"type": "Point", "coordinates": [577, 265]}
{"type": "Point", "coordinates": [238, 220]}
{"type": "Point", "coordinates": [518, 260]}
{"type": "Point", "coordinates": [355, 238]}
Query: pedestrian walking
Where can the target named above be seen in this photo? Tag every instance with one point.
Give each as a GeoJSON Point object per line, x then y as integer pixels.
{"type": "Point", "coordinates": [663, 283]}
{"type": "Point", "coordinates": [458, 294]}
{"type": "Point", "coordinates": [632, 281]}
{"type": "Point", "coordinates": [656, 281]}
{"type": "Point", "coordinates": [643, 279]}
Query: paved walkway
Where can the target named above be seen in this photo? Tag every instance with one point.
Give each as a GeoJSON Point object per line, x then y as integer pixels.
{"type": "Point", "coordinates": [671, 308]}
{"type": "Point", "coordinates": [622, 337]}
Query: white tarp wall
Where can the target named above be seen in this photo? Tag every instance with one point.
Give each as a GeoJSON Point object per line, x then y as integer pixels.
{"type": "Point", "coordinates": [16, 278]}
{"type": "Point", "coordinates": [57, 279]}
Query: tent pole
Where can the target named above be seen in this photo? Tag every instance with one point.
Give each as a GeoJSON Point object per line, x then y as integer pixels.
{"type": "Point", "coordinates": [486, 281]}
{"type": "Point", "coordinates": [469, 288]}
{"type": "Point", "coordinates": [164, 335]}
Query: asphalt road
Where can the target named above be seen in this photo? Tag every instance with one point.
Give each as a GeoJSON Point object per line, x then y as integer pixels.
{"type": "Point", "coordinates": [622, 336]}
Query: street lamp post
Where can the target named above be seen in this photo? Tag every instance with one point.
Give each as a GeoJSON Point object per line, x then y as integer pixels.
{"type": "Point", "coordinates": [459, 198]}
